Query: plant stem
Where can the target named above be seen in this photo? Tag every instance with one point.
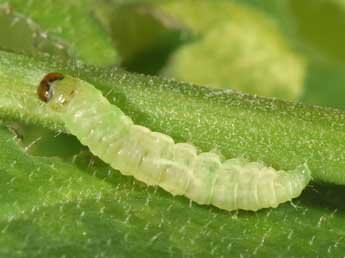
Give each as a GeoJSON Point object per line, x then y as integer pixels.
{"type": "Point", "coordinates": [278, 133]}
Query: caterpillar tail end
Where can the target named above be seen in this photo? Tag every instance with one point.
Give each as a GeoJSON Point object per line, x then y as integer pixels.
{"type": "Point", "coordinates": [296, 181]}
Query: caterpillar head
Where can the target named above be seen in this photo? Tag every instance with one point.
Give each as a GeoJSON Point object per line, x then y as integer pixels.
{"type": "Point", "coordinates": [57, 90]}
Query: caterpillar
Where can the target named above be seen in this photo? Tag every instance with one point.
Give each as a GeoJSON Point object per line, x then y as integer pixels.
{"type": "Point", "coordinates": [155, 159]}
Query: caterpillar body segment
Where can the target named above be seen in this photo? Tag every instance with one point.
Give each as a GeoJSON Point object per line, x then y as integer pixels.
{"type": "Point", "coordinates": [155, 159]}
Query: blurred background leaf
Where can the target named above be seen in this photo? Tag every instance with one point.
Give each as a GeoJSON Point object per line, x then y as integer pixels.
{"type": "Point", "coordinates": [25, 35]}
{"type": "Point", "coordinates": [72, 23]}
{"type": "Point", "coordinates": [239, 44]}
{"type": "Point", "coordinates": [284, 27]}
{"type": "Point", "coordinates": [244, 51]}
{"type": "Point", "coordinates": [142, 35]}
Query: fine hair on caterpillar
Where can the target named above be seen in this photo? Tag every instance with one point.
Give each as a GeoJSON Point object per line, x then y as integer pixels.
{"type": "Point", "coordinates": [155, 159]}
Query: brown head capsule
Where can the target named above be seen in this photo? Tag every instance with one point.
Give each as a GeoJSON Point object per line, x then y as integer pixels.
{"type": "Point", "coordinates": [45, 89]}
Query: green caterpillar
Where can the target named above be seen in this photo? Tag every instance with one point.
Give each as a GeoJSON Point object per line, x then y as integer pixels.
{"type": "Point", "coordinates": [155, 159]}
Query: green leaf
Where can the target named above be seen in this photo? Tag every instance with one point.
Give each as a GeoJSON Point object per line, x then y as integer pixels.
{"type": "Point", "coordinates": [71, 22]}
{"type": "Point", "coordinates": [285, 18]}
{"type": "Point", "coordinates": [33, 38]}
{"type": "Point", "coordinates": [281, 134]}
{"type": "Point", "coordinates": [143, 35]}
{"type": "Point", "coordinates": [232, 46]}
{"type": "Point", "coordinates": [321, 24]}
{"type": "Point", "coordinates": [70, 204]}
{"type": "Point", "coordinates": [315, 28]}
{"type": "Point", "coordinates": [242, 55]}
{"type": "Point", "coordinates": [50, 208]}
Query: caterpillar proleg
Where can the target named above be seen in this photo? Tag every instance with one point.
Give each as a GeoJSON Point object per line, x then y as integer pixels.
{"type": "Point", "coordinates": [155, 159]}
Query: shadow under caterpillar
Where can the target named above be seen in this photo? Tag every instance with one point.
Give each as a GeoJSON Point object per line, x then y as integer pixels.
{"type": "Point", "coordinates": [155, 159]}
